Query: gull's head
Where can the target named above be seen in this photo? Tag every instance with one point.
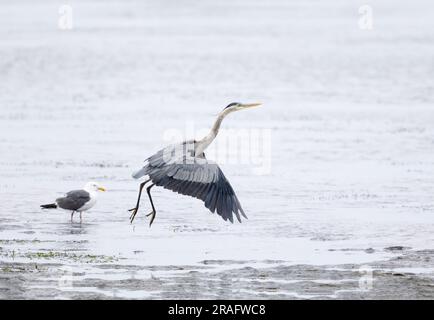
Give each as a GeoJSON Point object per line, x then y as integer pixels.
{"type": "Point", "coordinates": [236, 106]}
{"type": "Point", "coordinates": [94, 187]}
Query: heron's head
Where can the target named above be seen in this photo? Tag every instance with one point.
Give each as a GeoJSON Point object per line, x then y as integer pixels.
{"type": "Point", "coordinates": [236, 106]}
{"type": "Point", "coordinates": [93, 187]}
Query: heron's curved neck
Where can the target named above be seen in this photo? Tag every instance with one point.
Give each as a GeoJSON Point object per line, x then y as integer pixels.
{"type": "Point", "coordinates": [206, 141]}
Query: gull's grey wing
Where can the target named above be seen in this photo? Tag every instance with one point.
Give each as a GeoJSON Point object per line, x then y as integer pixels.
{"type": "Point", "coordinates": [196, 177]}
{"type": "Point", "coordinates": [73, 200]}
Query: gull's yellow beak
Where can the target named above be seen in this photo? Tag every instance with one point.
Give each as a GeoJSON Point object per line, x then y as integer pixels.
{"type": "Point", "coordinates": [250, 105]}
{"type": "Point", "coordinates": [102, 189]}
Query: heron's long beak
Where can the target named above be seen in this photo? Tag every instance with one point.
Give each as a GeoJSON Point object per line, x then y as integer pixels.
{"type": "Point", "coordinates": [102, 189]}
{"type": "Point", "coordinates": [250, 105]}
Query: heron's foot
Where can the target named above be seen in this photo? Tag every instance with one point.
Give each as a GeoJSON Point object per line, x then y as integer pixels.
{"type": "Point", "coordinates": [133, 214]}
{"type": "Point", "coordinates": [152, 214]}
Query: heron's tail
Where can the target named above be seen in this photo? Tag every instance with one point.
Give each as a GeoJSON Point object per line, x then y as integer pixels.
{"type": "Point", "coordinates": [139, 173]}
{"type": "Point", "coordinates": [49, 206]}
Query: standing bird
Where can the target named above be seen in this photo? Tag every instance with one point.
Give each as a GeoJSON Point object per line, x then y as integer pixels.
{"type": "Point", "coordinates": [77, 200]}
{"type": "Point", "coordinates": [184, 169]}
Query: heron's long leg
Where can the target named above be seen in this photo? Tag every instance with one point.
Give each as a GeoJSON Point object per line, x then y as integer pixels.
{"type": "Point", "coordinates": [153, 212]}
{"type": "Point", "coordinates": [72, 215]}
{"type": "Point", "coordinates": [81, 219]}
{"type": "Point", "coordinates": [134, 210]}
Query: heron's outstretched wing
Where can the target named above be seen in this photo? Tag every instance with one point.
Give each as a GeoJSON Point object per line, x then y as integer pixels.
{"type": "Point", "coordinates": [73, 200]}
{"type": "Point", "coordinates": [196, 177]}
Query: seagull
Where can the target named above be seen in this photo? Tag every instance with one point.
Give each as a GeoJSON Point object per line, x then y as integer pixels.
{"type": "Point", "coordinates": [77, 200]}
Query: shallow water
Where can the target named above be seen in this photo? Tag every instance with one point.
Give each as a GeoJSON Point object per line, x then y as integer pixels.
{"type": "Point", "coordinates": [348, 173]}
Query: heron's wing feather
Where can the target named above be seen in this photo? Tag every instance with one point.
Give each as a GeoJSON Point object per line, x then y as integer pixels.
{"type": "Point", "coordinates": [73, 200]}
{"type": "Point", "coordinates": [196, 177]}
{"type": "Point", "coordinates": [163, 157]}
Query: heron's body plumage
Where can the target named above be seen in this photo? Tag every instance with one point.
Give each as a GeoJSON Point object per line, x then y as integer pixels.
{"type": "Point", "coordinates": [179, 169]}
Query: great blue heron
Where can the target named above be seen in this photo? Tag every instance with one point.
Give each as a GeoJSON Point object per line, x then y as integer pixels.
{"type": "Point", "coordinates": [183, 168]}
{"type": "Point", "coordinates": [77, 200]}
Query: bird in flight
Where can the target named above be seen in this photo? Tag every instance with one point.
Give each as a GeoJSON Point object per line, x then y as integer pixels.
{"type": "Point", "coordinates": [77, 200]}
{"type": "Point", "coordinates": [184, 169]}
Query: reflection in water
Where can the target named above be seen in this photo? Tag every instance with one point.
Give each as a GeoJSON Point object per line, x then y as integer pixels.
{"type": "Point", "coordinates": [74, 228]}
